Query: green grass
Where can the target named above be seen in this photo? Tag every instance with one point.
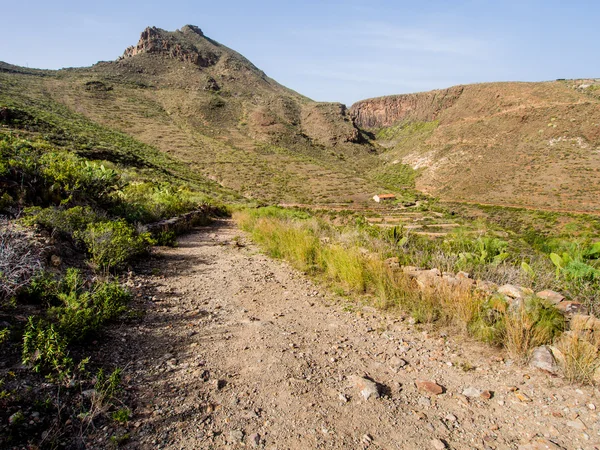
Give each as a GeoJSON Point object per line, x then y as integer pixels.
{"type": "Point", "coordinates": [351, 259]}
{"type": "Point", "coordinates": [407, 131]}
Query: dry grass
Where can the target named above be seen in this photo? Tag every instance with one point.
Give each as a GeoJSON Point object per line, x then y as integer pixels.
{"type": "Point", "coordinates": [579, 350]}
{"type": "Point", "coordinates": [353, 262]}
{"type": "Point", "coordinates": [19, 260]}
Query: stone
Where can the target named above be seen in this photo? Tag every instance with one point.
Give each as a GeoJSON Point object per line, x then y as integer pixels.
{"type": "Point", "coordinates": [542, 359]}
{"type": "Point", "coordinates": [487, 395]}
{"type": "Point", "coordinates": [582, 322]}
{"type": "Point", "coordinates": [438, 444]}
{"type": "Point", "coordinates": [516, 292]}
{"type": "Point", "coordinates": [576, 424]}
{"type": "Point", "coordinates": [571, 307]}
{"type": "Point", "coordinates": [397, 363]}
{"type": "Point", "coordinates": [550, 296]}
{"type": "Point", "coordinates": [367, 388]}
{"type": "Point", "coordinates": [522, 397]}
{"type": "Point", "coordinates": [255, 440]}
{"type": "Point", "coordinates": [539, 444]}
{"type": "Point", "coordinates": [55, 260]}
{"type": "Point", "coordinates": [471, 392]}
{"type": "Point", "coordinates": [412, 271]}
{"type": "Point", "coordinates": [393, 262]}
{"type": "Point", "coordinates": [430, 387]}
{"type": "Point", "coordinates": [236, 436]}
{"type": "Point", "coordinates": [486, 286]}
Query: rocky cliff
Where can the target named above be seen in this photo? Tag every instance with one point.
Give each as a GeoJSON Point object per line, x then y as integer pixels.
{"type": "Point", "coordinates": [155, 40]}
{"type": "Point", "coordinates": [386, 111]}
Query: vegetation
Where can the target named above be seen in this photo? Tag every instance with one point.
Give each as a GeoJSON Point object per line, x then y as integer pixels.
{"type": "Point", "coordinates": [352, 259]}
{"type": "Point", "coordinates": [66, 180]}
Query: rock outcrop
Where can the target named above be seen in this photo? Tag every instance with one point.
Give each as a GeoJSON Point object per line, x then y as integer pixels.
{"type": "Point", "coordinates": [386, 111]}
{"type": "Point", "coordinates": [155, 40]}
{"type": "Point", "coordinates": [328, 124]}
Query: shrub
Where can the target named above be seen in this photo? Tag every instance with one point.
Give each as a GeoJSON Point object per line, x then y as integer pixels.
{"type": "Point", "coordinates": [19, 260]}
{"type": "Point", "coordinates": [488, 324]}
{"type": "Point", "coordinates": [579, 349]}
{"type": "Point", "coordinates": [64, 221]}
{"type": "Point", "coordinates": [166, 238]}
{"type": "Point", "coordinates": [44, 349]}
{"type": "Point", "coordinates": [112, 244]}
{"type": "Point", "coordinates": [83, 312]}
{"type": "Point", "coordinates": [532, 324]}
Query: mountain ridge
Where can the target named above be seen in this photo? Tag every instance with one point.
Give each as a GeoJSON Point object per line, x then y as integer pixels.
{"type": "Point", "coordinates": [210, 107]}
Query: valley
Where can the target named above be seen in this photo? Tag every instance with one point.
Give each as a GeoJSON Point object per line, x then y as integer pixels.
{"type": "Point", "coordinates": [191, 257]}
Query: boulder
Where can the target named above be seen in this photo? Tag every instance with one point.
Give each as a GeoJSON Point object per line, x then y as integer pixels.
{"type": "Point", "coordinates": [542, 359]}
{"type": "Point", "coordinates": [412, 271]}
{"type": "Point", "coordinates": [570, 308]}
{"type": "Point", "coordinates": [368, 388]}
{"type": "Point", "coordinates": [486, 286]}
{"type": "Point", "coordinates": [583, 322]}
{"type": "Point", "coordinates": [516, 292]}
{"type": "Point", "coordinates": [550, 296]}
{"type": "Point", "coordinates": [429, 278]}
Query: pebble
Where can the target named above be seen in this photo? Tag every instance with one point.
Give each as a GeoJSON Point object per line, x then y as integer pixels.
{"type": "Point", "coordinates": [236, 435]}
{"type": "Point", "coordinates": [367, 388]}
{"type": "Point", "coordinates": [576, 424]}
{"type": "Point", "coordinates": [429, 386]}
{"type": "Point", "coordinates": [472, 392]}
{"type": "Point", "coordinates": [255, 440]}
{"type": "Point", "coordinates": [438, 444]}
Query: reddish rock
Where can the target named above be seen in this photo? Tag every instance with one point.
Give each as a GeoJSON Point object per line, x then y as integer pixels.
{"type": "Point", "coordinates": [387, 111]}
{"type": "Point", "coordinates": [552, 297]}
{"type": "Point", "coordinates": [487, 395]}
{"type": "Point", "coordinates": [430, 387]}
{"type": "Point", "coordinates": [571, 307]}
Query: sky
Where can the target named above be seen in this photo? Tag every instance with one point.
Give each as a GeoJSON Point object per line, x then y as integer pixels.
{"type": "Point", "coordinates": [330, 50]}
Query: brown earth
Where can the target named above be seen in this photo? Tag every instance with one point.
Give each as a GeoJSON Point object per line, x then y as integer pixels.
{"type": "Point", "coordinates": [526, 144]}
{"type": "Point", "coordinates": [237, 350]}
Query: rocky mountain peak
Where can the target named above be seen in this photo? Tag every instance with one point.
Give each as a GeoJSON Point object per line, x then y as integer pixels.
{"type": "Point", "coordinates": [192, 29]}
{"type": "Point", "coordinates": [188, 44]}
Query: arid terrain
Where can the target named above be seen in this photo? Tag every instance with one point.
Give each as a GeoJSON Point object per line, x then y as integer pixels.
{"type": "Point", "coordinates": [239, 351]}
{"type": "Point", "coordinates": [191, 257]}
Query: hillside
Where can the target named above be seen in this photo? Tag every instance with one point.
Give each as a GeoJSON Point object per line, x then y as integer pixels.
{"type": "Point", "coordinates": [208, 106]}
{"type": "Point", "coordinates": [523, 144]}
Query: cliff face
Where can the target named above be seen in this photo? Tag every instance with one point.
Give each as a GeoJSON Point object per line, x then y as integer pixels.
{"type": "Point", "coordinates": [177, 45]}
{"type": "Point", "coordinates": [386, 111]}
{"type": "Point", "coordinates": [328, 124]}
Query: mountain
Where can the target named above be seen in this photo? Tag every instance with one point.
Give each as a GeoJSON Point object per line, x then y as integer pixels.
{"type": "Point", "coordinates": [208, 108]}
{"type": "Point", "coordinates": [523, 144]}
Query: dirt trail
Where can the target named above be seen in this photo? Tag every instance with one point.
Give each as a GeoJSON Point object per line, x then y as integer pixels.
{"type": "Point", "coordinates": [237, 350]}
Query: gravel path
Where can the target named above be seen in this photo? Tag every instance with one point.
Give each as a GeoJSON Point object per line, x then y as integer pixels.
{"type": "Point", "coordinates": [238, 350]}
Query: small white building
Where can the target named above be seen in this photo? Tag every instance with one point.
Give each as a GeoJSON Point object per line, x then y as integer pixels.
{"type": "Point", "coordinates": [384, 198]}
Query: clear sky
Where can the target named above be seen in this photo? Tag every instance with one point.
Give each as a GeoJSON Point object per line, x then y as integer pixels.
{"type": "Point", "coordinates": [330, 50]}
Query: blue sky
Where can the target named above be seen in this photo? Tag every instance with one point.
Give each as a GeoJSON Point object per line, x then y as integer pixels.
{"type": "Point", "coordinates": [330, 50]}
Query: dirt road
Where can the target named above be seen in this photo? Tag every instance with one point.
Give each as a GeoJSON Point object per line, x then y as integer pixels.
{"type": "Point", "coordinates": [237, 350]}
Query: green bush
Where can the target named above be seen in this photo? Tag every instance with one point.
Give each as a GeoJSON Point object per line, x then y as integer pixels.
{"type": "Point", "coordinates": [64, 221]}
{"type": "Point", "coordinates": [45, 349]}
{"type": "Point", "coordinates": [83, 312]}
{"type": "Point", "coordinates": [166, 238]}
{"type": "Point", "coordinates": [112, 244]}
